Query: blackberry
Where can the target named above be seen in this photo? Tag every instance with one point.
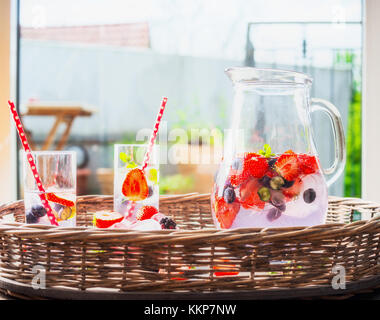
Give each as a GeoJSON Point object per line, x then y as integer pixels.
{"type": "Point", "coordinates": [31, 218]}
{"type": "Point", "coordinates": [168, 223]}
{"type": "Point", "coordinates": [229, 194]}
{"type": "Point", "coordinates": [38, 211]}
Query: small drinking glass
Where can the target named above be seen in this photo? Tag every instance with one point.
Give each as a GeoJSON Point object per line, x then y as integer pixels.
{"type": "Point", "coordinates": [57, 170]}
{"type": "Point", "coordinates": [134, 188]}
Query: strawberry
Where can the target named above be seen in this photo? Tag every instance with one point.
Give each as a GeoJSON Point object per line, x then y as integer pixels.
{"type": "Point", "coordinates": [254, 165]}
{"type": "Point", "coordinates": [308, 164]}
{"type": "Point", "coordinates": [54, 198]}
{"type": "Point", "coordinates": [287, 166]}
{"type": "Point", "coordinates": [226, 213]}
{"type": "Point", "coordinates": [146, 212]}
{"type": "Point", "coordinates": [104, 219]}
{"type": "Point", "coordinates": [294, 190]}
{"type": "Point", "coordinates": [249, 198]}
{"type": "Point", "coordinates": [135, 187]}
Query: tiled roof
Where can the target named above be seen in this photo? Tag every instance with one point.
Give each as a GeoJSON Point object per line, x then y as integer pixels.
{"type": "Point", "coordinates": [125, 35]}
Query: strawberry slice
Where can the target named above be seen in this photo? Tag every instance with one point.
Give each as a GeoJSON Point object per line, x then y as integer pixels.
{"type": "Point", "coordinates": [308, 163]}
{"type": "Point", "coordinates": [146, 212]}
{"type": "Point", "coordinates": [226, 213]}
{"type": "Point", "coordinates": [287, 166]}
{"type": "Point", "coordinates": [249, 198]}
{"type": "Point", "coordinates": [104, 219]}
{"type": "Point", "coordinates": [293, 191]}
{"type": "Point", "coordinates": [135, 187]}
{"type": "Point", "coordinates": [54, 198]}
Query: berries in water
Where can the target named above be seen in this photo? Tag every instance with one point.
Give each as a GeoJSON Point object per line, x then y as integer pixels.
{"type": "Point", "coordinates": [276, 183]}
{"type": "Point", "coordinates": [264, 194]}
{"type": "Point", "coordinates": [31, 218]}
{"type": "Point", "coordinates": [273, 214]}
{"type": "Point", "coordinates": [309, 195]}
{"type": "Point", "coordinates": [168, 223]}
{"type": "Point", "coordinates": [229, 194]}
{"type": "Point", "coordinates": [38, 211]}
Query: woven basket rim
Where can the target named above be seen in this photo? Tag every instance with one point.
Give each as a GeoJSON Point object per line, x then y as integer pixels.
{"type": "Point", "coordinates": [47, 232]}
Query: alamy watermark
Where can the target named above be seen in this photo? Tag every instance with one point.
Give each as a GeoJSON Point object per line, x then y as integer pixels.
{"type": "Point", "coordinates": [39, 280]}
{"type": "Point", "coordinates": [339, 279]}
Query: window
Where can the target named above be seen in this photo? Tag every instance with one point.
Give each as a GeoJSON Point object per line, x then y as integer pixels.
{"type": "Point", "coordinates": [117, 58]}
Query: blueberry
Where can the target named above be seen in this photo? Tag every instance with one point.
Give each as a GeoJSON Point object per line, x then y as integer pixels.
{"type": "Point", "coordinates": [236, 164]}
{"type": "Point", "coordinates": [271, 161]}
{"type": "Point", "coordinates": [309, 195]}
{"type": "Point", "coordinates": [150, 191]}
{"type": "Point", "coordinates": [265, 181]}
{"type": "Point", "coordinates": [57, 207]}
{"type": "Point", "coordinates": [288, 184]}
{"type": "Point", "coordinates": [31, 218]}
{"type": "Point", "coordinates": [38, 211]}
{"type": "Point", "coordinates": [229, 194]}
{"type": "Point", "coordinates": [277, 200]}
{"type": "Point", "coordinates": [273, 214]}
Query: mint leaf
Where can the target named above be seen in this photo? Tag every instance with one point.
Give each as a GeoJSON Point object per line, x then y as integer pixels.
{"type": "Point", "coordinates": [131, 165]}
{"type": "Point", "coordinates": [267, 151]}
{"type": "Point", "coordinates": [124, 157]}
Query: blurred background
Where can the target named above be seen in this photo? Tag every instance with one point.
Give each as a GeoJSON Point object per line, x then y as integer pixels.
{"type": "Point", "coordinates": [107, 63]}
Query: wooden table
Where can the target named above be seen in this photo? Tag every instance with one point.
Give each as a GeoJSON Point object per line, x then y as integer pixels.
{"type": "Point", "coordinates": [64, 114]}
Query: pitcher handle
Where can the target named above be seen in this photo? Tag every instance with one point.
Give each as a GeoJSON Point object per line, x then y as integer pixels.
{"type": "Point", "coordinates": [333, 173]}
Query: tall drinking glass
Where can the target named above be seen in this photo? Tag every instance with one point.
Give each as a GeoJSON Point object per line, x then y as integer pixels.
{"type": "Point", "coordinates": [134, 188]}
{"type": "Point", "coordinates": [57, 170]}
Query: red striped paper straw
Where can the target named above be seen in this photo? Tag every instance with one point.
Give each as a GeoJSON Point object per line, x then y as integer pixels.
{"type": "Point", "coordinates": [132, 205]}
{"type": "Point", "coordinates": [25, 144]}
{"type": "Point", "coordinates": [154, 133]}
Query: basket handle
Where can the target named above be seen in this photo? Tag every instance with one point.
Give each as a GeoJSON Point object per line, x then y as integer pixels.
{"type": "Point", "coordinates": [335, 170]}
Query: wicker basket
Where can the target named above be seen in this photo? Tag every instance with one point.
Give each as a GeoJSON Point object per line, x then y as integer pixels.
{"type": "Point", "coordinates": [198, 261]}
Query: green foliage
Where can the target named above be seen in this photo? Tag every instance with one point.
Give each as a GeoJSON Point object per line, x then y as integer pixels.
{"type": "Point", "coordinates": [352, 178]}
{"type": "Point", "coordinates": [176, 184]}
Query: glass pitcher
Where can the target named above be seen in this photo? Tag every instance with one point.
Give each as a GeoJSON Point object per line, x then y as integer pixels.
{"type": "Point", "coordinates": [270, 175]}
